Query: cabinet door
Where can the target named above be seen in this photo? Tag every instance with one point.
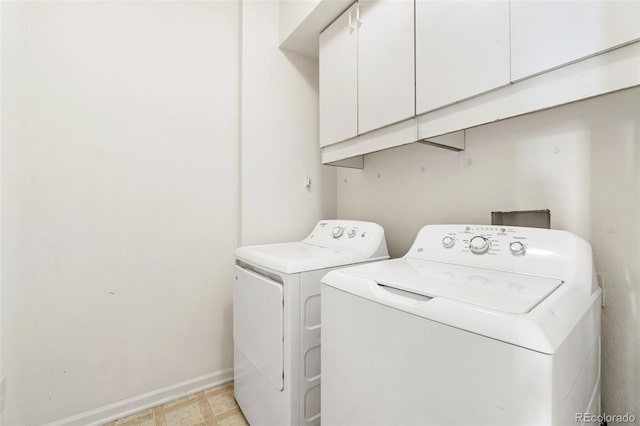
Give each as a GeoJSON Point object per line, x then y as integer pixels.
{"type": "Point", "coordinates": [339, 80]}
{"type": "Point", "coordinates": [548, 34]}
{"type": "Point", "coordinates": [462, 50]}
{"type": "Point", "coordinates": [386, 81]}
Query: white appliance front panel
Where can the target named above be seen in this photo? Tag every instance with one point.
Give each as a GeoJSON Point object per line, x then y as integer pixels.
{"type": "Point", "coordinates": [501, 291]}
{"type": "Point", "coordinates": [258, 323]}
{"type": "Point", "coordinates": [261, 403]}
{"type": "Point", "coordinates": [383, 366]}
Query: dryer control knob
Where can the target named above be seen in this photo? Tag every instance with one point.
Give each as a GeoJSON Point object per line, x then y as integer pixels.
{"type": "Point", "coordinates": [448, 242]}
{"type": "Point", "coordinates": [337, 232]}
{"type": "Point", "coordinates": [479, 245]}
{"type": "Point", "coordinates": [352, 232]}
{"type": "Point", "coordinates": [517, 248]}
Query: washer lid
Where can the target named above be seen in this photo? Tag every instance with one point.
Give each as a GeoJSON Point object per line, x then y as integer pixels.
{"type": "Point", "coordinates": [502, 291]}
{"type": "Point", "coordinates": [291, 258]}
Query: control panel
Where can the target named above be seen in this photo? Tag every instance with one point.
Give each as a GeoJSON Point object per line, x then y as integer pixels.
{"type": "Point", "coordinates": [542, 252]}
{"type": "Point", "coordinates": [490, 240]}
{"type": "Point", "coordinates": [362, 237]}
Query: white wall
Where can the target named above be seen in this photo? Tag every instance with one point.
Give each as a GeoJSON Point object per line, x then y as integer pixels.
{"type": "Point", "coordinates": [279, 136]}
{"type": "Point", "coordinates": [582, 161]}
{"type": "Point", "coordinates": [126, 181]}
{"type": "Point", "coordinates": [122, 195]}
{"type": "Point", "coordinates": [12, 127]}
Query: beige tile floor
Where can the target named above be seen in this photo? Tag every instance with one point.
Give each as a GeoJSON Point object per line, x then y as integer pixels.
{"type": "Point", "coordinates": [213, 407]}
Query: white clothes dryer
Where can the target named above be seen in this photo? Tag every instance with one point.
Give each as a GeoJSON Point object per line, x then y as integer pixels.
{"type": "Point", "coordinates": [276, 318]}
{"type": "Point", "coordinates": [482, 325]}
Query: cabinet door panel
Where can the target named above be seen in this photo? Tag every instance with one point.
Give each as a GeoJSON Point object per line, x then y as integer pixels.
{"type": "Point", "coordinates": [547, 34]}
{"type": "Point", "coordinates": [462, 50]}
{"type": "Point", "coordinates": [386, 81]}
{"type": "Point", "coordinates": [339, 80]}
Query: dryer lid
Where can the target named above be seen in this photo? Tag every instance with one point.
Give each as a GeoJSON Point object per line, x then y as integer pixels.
{"type": "Point", "coordinates": [498, 290]}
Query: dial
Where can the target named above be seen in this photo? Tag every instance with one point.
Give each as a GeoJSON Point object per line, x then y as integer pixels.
{"type": "Point", "coordinates": [517, 248]}
{"type": "Point", "coordinates": [352, 232]}
{"type": "Point", "coordinates": [479, 245]}
{"type": "Point", "coordinates": [337, 232]}
{"type": "Point", "coordinates": [448, 242]}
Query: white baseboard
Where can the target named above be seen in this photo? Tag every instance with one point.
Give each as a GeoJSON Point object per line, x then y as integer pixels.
{"type": "Point", "coordinates": [137, 403]}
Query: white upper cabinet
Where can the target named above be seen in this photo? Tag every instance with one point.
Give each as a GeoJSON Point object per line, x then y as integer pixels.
{"type": "Point", "coordinates": [394, 72]}
{"type": "Point", "coordinates": [386, 80]}
{"type": "Point", "coordinates": [339, 80]}
{"type": "Point", "coordinates": [462, 50]}
{"type": "Point", "coordinates": [548, 34]}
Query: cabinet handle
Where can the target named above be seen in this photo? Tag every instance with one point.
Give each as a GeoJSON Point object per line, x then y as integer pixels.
{"type": "Point", "coordinates": [358, 14]}
{"type": "Point", "coordinates": [351, 27]}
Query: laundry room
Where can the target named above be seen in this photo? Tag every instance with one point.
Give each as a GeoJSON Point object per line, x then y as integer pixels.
{"type": "Point", "coordinates": [305, 212]}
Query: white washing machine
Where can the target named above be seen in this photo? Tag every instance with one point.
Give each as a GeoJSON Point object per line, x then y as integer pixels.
{"type": "Point", "coordinates": [276, 318]}
{"type": "Point", "coordinates": [479, 325]}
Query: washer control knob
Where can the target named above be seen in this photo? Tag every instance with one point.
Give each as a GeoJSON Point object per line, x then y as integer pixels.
{"type": "Point", "coordinates": [448, 242]}
{"type": "Point", "coordinates": [479, 245]}
{"type": "Point", "coordinates": [517, 248]}
{"type": "Point", "coordinates": [337, 232]}
{"type": "Point", "coordinates": [352, 232]}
